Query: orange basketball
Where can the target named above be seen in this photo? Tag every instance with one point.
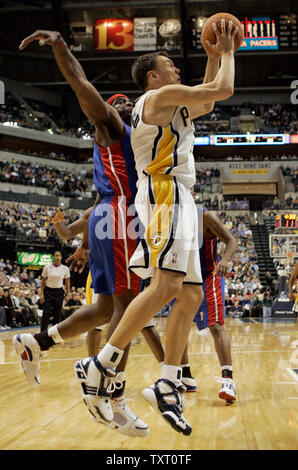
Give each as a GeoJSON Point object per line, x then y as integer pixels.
{"type": "Point", "coordinates": [209, 34]}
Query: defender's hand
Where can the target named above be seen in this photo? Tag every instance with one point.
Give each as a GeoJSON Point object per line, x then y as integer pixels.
{"type": "Point", "coordinates": [78, 259]}
{"type": "Point", "coordinates": [58, 216]}
{"type": "Point", "coordinates": [221, 268]}
{"type": "Point", "coordinates": [45, 38]}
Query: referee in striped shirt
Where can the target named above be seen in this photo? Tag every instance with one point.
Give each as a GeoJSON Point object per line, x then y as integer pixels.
{"type": "Point", "coordinates": [52, 291]}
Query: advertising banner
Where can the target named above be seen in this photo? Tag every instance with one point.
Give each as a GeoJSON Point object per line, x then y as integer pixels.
{"type": "Point", "coordinates": [34, 259]}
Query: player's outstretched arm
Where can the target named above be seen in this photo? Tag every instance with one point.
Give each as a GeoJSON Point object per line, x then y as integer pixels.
{"type": "Point", "coordinates": [109, 125]}
{"type": "Point", "coordinates": [67, 232]}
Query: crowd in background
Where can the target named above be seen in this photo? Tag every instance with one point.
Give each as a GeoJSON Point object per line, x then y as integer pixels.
{"type": "Point", "coordinates": [20, 294]}
{"type": "Point", "coordinates": [59, 182]}
{"type": "Point", "coordinates": [245, 294]}
{"type": "Point", "coordinates": [33, 223]}
{"type": "Point", "coordinates": [269, 118]}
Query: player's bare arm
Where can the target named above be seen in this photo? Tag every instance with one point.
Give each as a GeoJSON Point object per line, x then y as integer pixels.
{"type": "Point", "coordinates": [292, 280]}
{"type": "Point", "coordinates": [160, 106]}
{"type": "Point", "coordinates": [213, 226]}
{"type": "Point", "coordinates": [78, 226]}
{"type": "Point", "coordinates": [80, 257]}
{"type": "Point", "coordinates": [109, 125]}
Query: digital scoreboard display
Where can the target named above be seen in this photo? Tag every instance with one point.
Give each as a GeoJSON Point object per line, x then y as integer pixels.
{"type": "Point", "coordinates": [249, 139]}
{"type": "Point", "coordinates": [286, 221]}
{"type": "Point", "coordinates": [260, 32]}
{"type": "Point", "coordinates": [288, 33]}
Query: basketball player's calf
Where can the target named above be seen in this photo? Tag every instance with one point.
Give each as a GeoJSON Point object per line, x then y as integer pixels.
{"type": "Point", "coordinates": [166, 395]}
{"type": "Point", "coordinates": [223, 349]}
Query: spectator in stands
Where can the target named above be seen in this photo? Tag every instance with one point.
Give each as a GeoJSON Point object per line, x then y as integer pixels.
{"type": "Point", "coordinates": [71, 305]}
{"type": "Point", "coordinates": [267, 304]}
{"type": "Point", "coordinates": [246, 305]}
{"type": "Point", "coordinates": [9, 308]}
{"type": "Point", "coordinates": [257, 304]}
{"type": "Point", "coordinates": [3, 320]}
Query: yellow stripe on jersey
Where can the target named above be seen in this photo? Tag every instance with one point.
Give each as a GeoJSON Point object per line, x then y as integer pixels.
{"type": "Point", "coordinates": [159, 230]}
{"type": "Point", "coordinates": [164, 148]}
{"type": "Point", "coordinates": [89, 289]}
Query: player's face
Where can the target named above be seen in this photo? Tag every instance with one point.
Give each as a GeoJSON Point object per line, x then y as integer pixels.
{"type": "Point", "coordinates": [124, 107]}
{"type": "Point", "coordinates": [168, 74]}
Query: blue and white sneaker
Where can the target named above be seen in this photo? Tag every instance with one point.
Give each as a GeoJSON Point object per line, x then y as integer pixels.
{"type": "Point", "coordinates": [190, 384]}
{"type": "Point", "coordinates": [125, 421]}
{"type": "Point", "coordinates": [228, 389]}
{"type": "Point", "coordinates": [164, 396]}
{"type": "Point", "coordinates": [28, 349]}
{"type": "Point", "coordinates": [97, 384]}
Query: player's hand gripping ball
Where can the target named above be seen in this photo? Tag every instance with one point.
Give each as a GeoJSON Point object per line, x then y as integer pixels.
{"type": "Point", "coordinates": [208, 33]}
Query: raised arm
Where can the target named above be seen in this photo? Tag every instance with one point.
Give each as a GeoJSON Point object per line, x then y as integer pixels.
{"type": "Point", "coordinates": [67, 232]}
{"type": "Point", "coordinates": [109, 125]}
{"type": "Point", "coordinates": [166, 98]}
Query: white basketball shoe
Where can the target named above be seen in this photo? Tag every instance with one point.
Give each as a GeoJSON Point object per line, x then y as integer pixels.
{"type": "Point", "coordinates": [28, 349]}
{"type": "Point", "coordinates": [125, 421]}
{"type": "Point", "coordinates": [166, 398]}
{"type": "Point", "coordinates": [228, 389]}
{"type": "Point", "coordinates": [97, 384]}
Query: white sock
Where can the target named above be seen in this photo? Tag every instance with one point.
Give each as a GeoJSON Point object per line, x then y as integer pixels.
{"type": "Point", "coordinates": [172, 373]}
{"type": "Point", "coordinates": [161, 363]}
{"type": "Point", "coordinates": [226, 367]}
{"type": "Point", "coordinates": [121, 376]}
{"type": "Point", "coordinates": [110, 356]}
{"type": "Point", "coordinates": [55, 335]}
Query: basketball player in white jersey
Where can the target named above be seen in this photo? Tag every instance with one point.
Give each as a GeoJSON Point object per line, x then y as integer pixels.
{"type": "Point", "coordinates": [162, 140]}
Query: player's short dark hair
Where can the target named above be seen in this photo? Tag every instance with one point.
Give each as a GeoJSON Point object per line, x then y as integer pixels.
{"type": "Point", "coordinates": [142, 65]}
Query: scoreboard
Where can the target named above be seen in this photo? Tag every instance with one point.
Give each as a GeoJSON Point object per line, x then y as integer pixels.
{"type": "Point", "coordinates": [286, 220]}
{"type": "Point", "coordinates": [249, 139]}
{"type": "Point", "coordinates": [288, 33]}
{"type": "Point", "coordinates": [260, 32]}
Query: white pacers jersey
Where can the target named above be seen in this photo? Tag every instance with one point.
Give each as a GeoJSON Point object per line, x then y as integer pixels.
{"type": "Point", "coordinates": [164, 150]}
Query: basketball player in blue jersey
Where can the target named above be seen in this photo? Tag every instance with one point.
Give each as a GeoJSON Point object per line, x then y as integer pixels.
{"type": "Point", "coordinates": [115, 179]}
{"type": "Point", "coordinates": [162, 140]}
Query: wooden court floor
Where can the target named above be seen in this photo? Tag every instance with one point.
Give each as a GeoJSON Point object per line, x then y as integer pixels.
{"type": "Point", "coordinates": [265, 416]}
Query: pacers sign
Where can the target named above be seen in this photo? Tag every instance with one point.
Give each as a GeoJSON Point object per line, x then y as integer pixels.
{"type": "Point", "coordinates": [113, 35]}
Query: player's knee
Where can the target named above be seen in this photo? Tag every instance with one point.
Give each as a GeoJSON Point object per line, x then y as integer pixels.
{"type": "Point", "coordinates": [216, 329]}
{"type": "Point", "coordinates": [195, 295]}
{"type": "Point", "coordinates": [169, 286]}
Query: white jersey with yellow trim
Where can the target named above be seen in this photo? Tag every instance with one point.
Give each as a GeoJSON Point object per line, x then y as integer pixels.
{"type": "Point", "coordinates": [164, 150]}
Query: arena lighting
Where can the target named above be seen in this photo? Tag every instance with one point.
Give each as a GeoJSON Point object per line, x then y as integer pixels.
{"type": "Point", "coordinates": [10, 123]}
{"type": "Point", "coordinates": [202, 140]}
{"type": "Point", "coordinates": [294, 139]}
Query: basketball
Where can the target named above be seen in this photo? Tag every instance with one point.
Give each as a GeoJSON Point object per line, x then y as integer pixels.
{"type": "Point", "coordinates": [208, 33]}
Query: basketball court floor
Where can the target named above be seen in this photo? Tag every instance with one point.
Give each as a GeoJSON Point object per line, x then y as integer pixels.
{"type": "Point", "coordinates": [264, 417]}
